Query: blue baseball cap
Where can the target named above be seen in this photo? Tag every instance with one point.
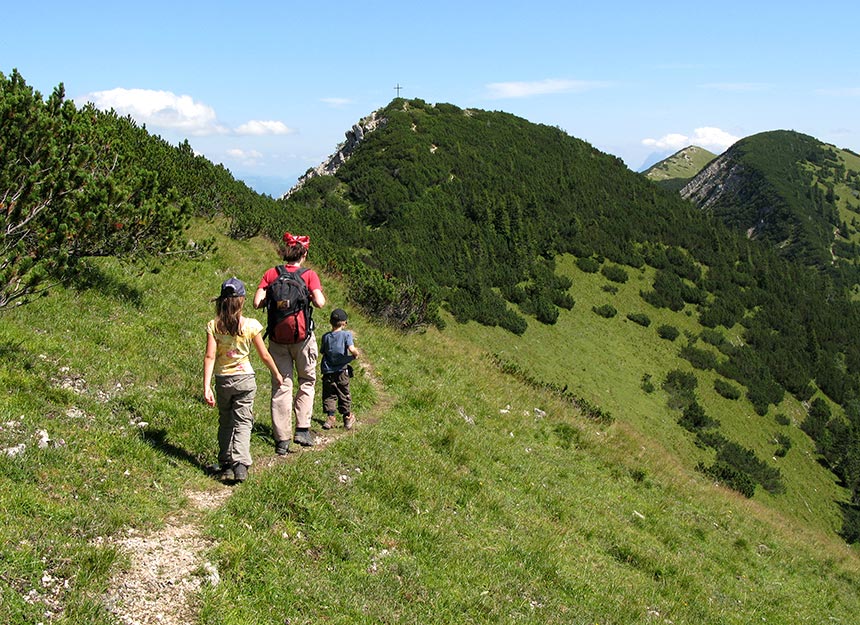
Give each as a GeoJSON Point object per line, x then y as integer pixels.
{"type": "Point", "coordinates": [233, 287]}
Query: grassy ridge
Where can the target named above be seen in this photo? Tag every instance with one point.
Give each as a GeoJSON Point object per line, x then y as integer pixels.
{"type": "Point", "coordinates": [473, 498]}
{"type": "Point", "coordinates": [677, 170]}
{"type": "Point", "coordinates": [111, 370]}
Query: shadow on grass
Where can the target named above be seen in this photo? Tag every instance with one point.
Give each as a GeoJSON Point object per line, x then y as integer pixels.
{"type": "Point", "coordinates": [90, 276]}
{"type": "Point", "coordinates": [11, 350]}
{"type": "Point", "coordinates": [157, 439]}
{"type": "Point", "coordinates": [264, 430]}
{"type": "Point", "coordinates": [850, 531]}
{"type": "Point", "coordinates": [14, 354]}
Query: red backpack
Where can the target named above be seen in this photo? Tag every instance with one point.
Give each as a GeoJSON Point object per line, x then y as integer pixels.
{"type": "Point", "coordinates": [288, 301]}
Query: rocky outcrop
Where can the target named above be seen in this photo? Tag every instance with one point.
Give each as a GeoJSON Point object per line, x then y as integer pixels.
{"type": "Point", "coordinates": [722, 179]}
{"type": "Point", "coordinates": [743, 199]}
{"type": "Point", "coordinates": [727, 189]}
{"type": "Point", "coordinates": [354, 136]}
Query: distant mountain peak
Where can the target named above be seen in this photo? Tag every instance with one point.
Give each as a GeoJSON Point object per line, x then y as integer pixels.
{"type": "Point", "coordinates": [676, 170]}
{"type": "Point", "coordinates": [788, 189]}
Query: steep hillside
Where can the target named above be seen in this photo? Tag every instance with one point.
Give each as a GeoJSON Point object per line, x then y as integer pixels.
{"type": "Point", "coordinates": [790, 190]}
{"type": "Point", "coordinates": [473, 206]}
{"type": "Point", "coordinates": [480, 211]}
{"type": "Point", "coordinates": [467, 493]}
{"type": "Point", "coordinates": [677, 170]}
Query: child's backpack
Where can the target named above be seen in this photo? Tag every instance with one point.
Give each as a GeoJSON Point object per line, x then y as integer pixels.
{"type": "Point", "coordinates": [288, 301]}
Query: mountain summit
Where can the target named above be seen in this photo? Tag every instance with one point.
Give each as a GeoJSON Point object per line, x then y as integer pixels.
{"type": "Point", "coordinates": [677, 170]}
{"type": "Point", "coordinates": [790, 190]}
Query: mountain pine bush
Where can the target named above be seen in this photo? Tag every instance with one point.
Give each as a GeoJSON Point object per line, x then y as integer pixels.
{"type": "Point", "coordinates": [68, 190]}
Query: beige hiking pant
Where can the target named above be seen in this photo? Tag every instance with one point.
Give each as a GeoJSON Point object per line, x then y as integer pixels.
{"type": "Point", "coordinates": [300, 358]}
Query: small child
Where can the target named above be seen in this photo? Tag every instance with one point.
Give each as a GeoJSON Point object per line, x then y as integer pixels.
{"type": "Point", "coordinates": [337, 351]}
{"type": "Point", "coordinates": [229, 337]}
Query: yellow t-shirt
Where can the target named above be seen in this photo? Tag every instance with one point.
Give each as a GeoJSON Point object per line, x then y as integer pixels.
{"type": "Point", "coordinates": [232, 353]}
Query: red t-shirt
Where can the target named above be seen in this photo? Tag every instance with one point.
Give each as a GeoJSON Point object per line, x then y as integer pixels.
{"type": "Point", "coordinates": [310, 277]}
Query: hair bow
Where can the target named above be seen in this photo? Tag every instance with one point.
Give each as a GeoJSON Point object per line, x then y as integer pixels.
{"type": "Point", "coordinates": [290, 240]}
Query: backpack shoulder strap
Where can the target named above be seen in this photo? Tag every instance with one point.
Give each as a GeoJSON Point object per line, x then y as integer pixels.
{"type": "Point", "coordinates": [271, 305]}
{"type": "Point", "coordinates": [309, 307]}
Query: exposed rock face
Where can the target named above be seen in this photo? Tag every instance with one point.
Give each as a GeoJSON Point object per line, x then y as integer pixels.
{"type": "Point", "coordinates": [723, 187]}
{"type": "Point", "coordinates": [354, 136]}
{"type": "Point", "coordinates": [721, 179]}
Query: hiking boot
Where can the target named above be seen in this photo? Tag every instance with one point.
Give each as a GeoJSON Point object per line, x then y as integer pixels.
{"type": "Point", "coordinates": [240, 472]}
{"type": "Point", "coordinates": [282, 447]}
{"type": "Point", "coordinates": [330, 422]}
{"type": "Point", "coordinates": [349, 421]}
{"type": "Point", "coordinates": [225, 474]}
{"type": "Point", "coordinates": [305, 439]}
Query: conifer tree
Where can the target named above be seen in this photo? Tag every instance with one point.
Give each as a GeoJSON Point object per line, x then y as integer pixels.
{"type": "Point", "coordinates": [65, 193]}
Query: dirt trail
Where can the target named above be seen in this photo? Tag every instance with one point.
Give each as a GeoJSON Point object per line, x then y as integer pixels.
{"type": "Point", "coordinates": [164, 575]}
{"type": "Point", "coordinates": [168, 567]}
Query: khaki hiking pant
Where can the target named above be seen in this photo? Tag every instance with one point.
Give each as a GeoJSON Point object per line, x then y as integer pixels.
{"type": "Point", "coordinates": [301, 359]}
{"type": "Point", "coordinates": [234, 396]}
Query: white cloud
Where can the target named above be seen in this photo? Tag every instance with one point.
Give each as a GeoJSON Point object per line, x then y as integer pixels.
{"type": "Point", "coordinates": [710, 137]}
{"type": "Point", "coordinates": [166, 110]}
{"type": "Point", "coordinates": [161, 109]}
{"type": "Point", "coordinates": [257, 128]}
{"type": "Point", "coordinates": [668, 142]}
{"type": "Point", "coordinates": [499, 90]}
{"type": "Point", "coordinates": [706, 137]}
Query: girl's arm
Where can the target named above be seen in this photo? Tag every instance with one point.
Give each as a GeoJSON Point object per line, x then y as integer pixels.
{"type": "Point", "coordinates": [208, 367]}
{"type": "Point", "coordinates": [267, 359]}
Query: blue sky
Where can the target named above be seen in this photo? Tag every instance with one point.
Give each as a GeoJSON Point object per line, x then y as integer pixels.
{"type": "Point", "coordinates": [269, 88]}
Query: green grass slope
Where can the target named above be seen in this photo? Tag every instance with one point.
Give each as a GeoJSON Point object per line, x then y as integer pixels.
{"type": "Point", "coordinates": [464, 495]}
{"type": "Point", "coordinates": [605, 360]}
{"type": "Point", "coordinates": [677, 170]}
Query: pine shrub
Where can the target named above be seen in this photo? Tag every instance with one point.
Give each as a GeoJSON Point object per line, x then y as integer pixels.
{"type": "Point", "coordinates": [588, 265]}
{"type": "Point", "coordinates": [614, 273]}
{"type": "Point", "coordinates": [648, 383]}
{"type": "Point", "coordinates": [641, 318]}
{"type": "Point", "coordinates": [699, 358]}
{"type": "Point", "coordinates": [694, 418]}
{"type": "Point", "coordinates": [727, 389]}
{"type": "Point", "coordinates": [607, 310]}
{"type": "Point", "coordinates": [783, 443]}
{"type": "Point", "coordinates": [670, 333]}
{"type": "Point", "coordinates": [729, 477]}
